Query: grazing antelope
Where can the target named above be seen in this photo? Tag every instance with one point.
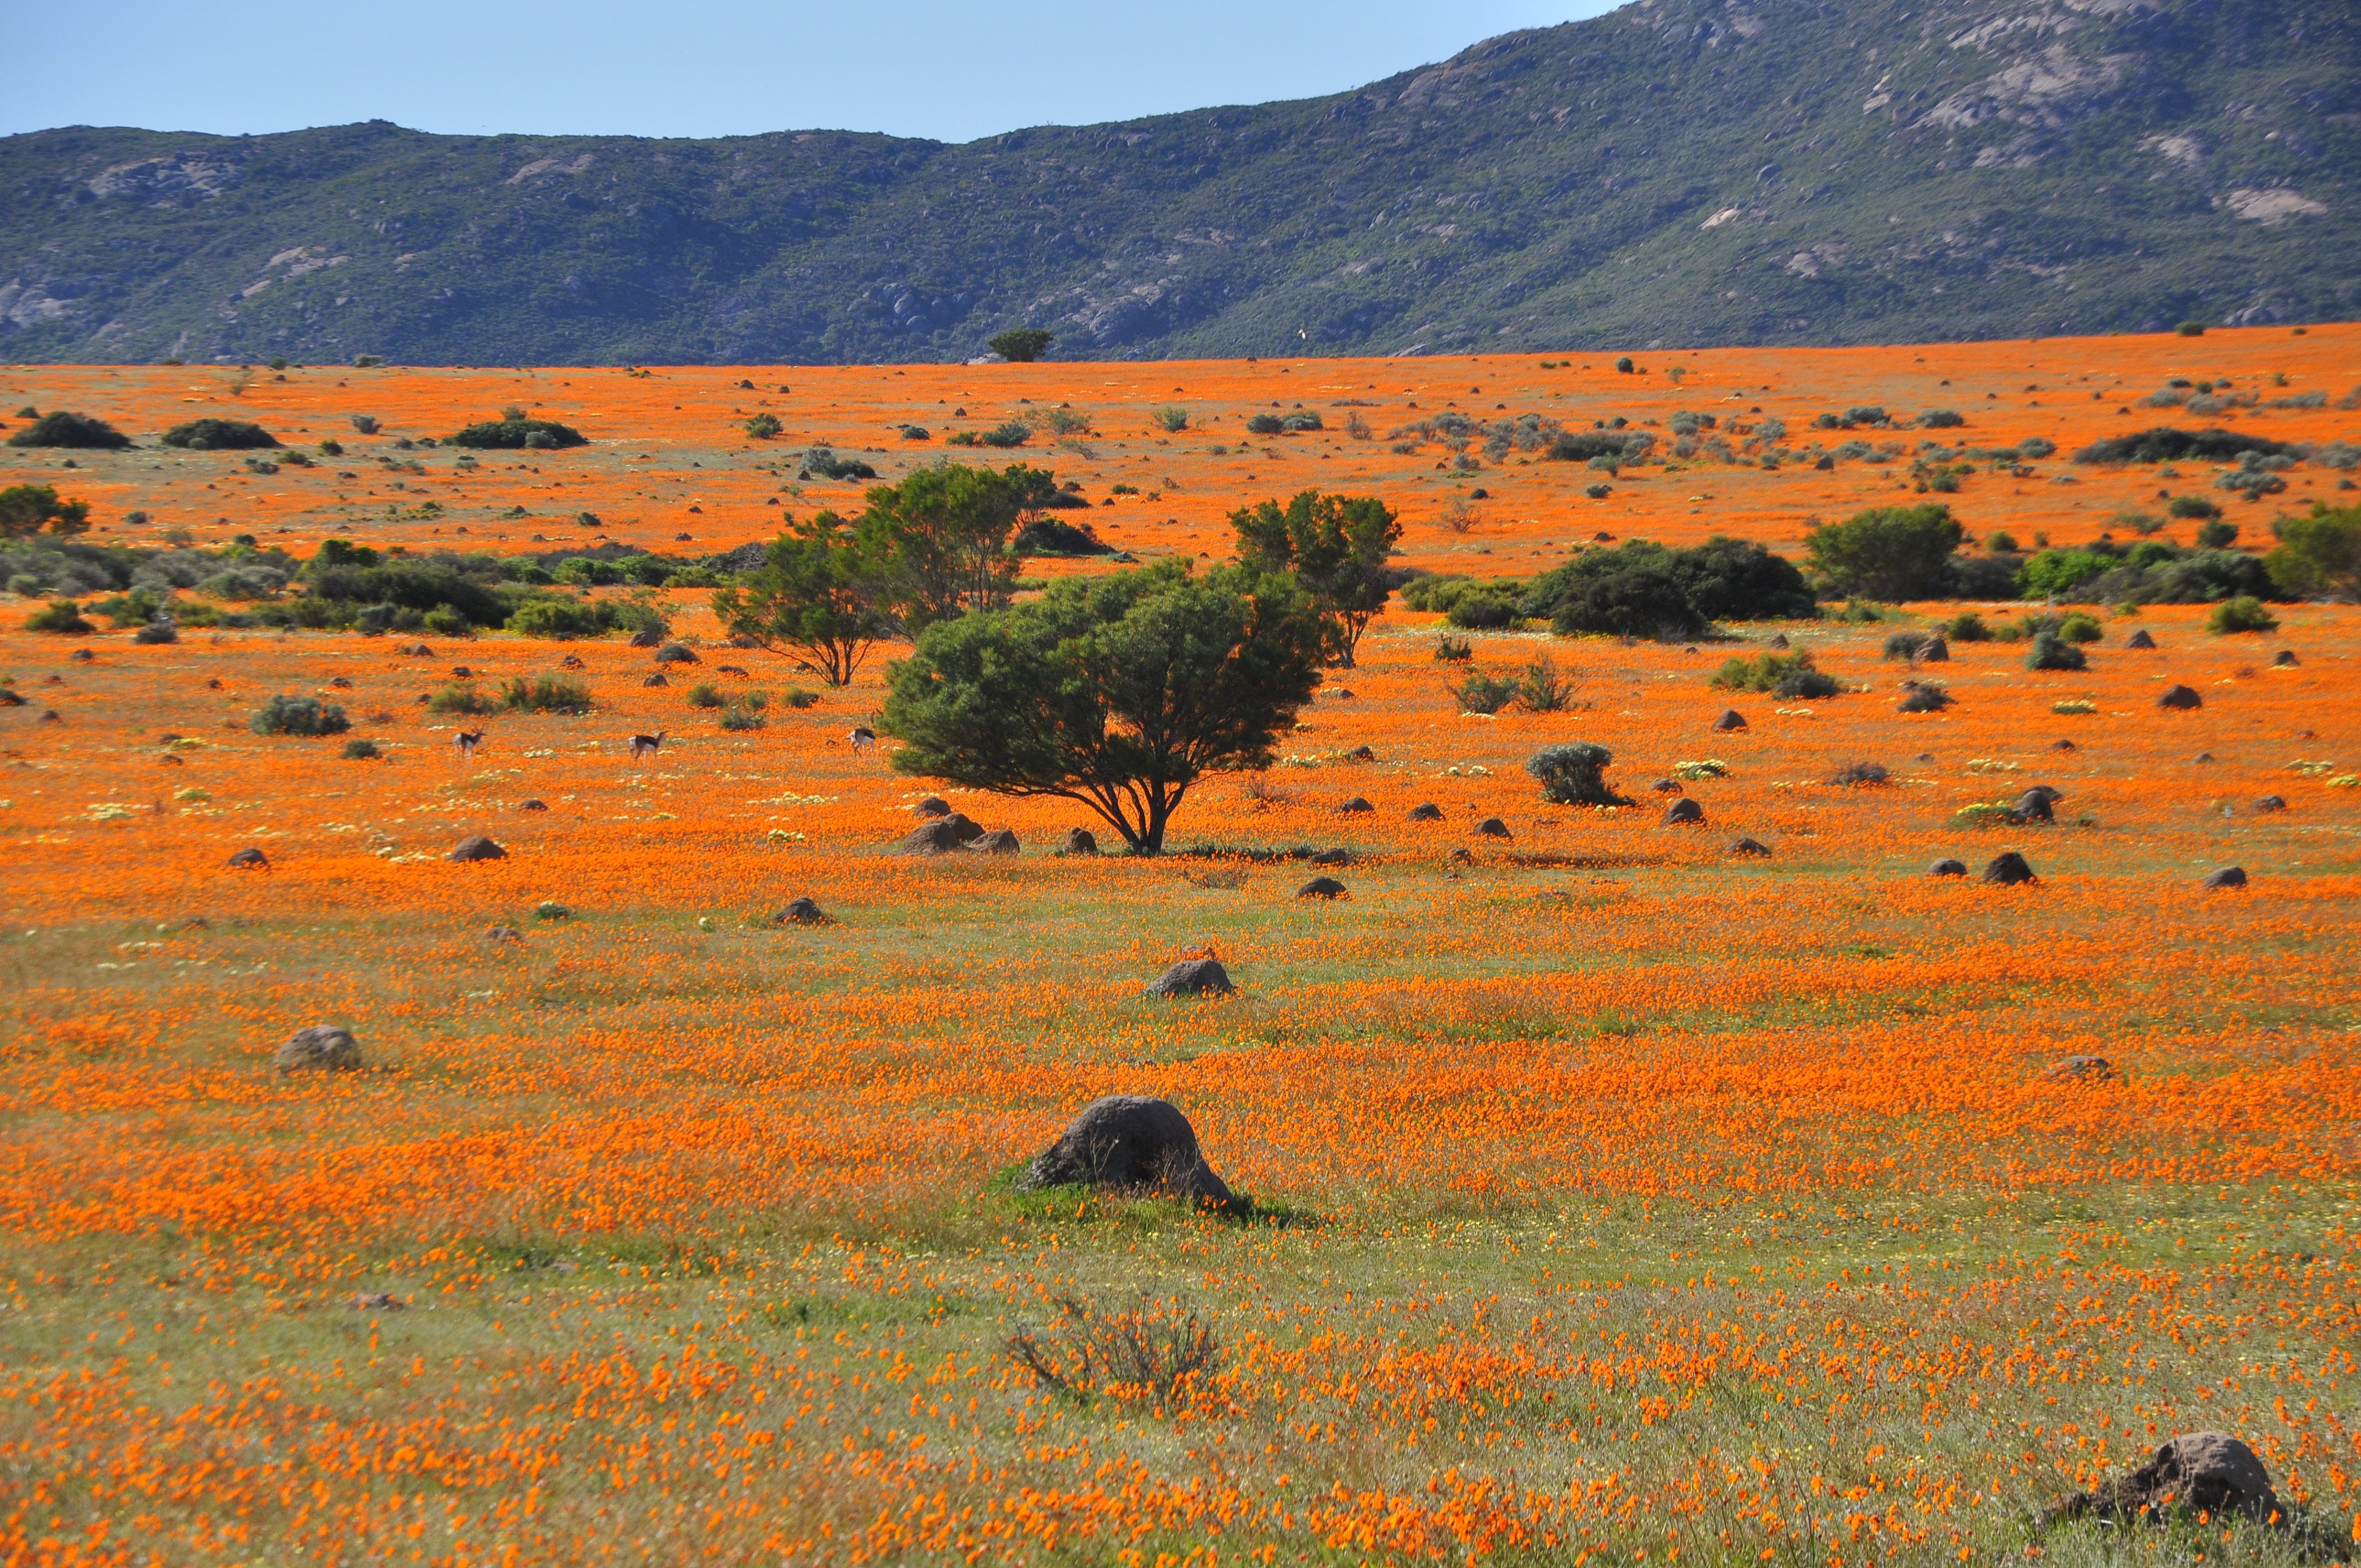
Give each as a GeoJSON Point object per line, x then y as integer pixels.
{"type": "Point", "coordinates": [646, 746]}
{"type": "Point", "coordinates": [466, 743]}
{"type": "Point", "coordinates": [863, 737]}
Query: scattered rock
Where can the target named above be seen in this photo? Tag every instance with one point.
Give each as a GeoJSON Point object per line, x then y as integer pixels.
{"type": "Point", "coordinates": [2008, 869]}
{"type": "Point", "coordinates": [936, 838]}
{"type": "Point", "coordinates": [250, 856]}
{"type": "Point", "coordinates": [2062, 746]}
{"type": "Point", "coordinates": [1129, 1142]}
{"type": "Point", "coordinates": [1730, 720]}
{"type": "Point", "coordinates": [1193, 977]}
{"type": "Point", "coordinates": [2228, 876]}
{"type": "Point", "coordinates": [2139, 639]}
{"type": "Point", "coordinates": [658, 679]}
{"type": "Point", "coordinates": [2210, 1473]}
{"type": "Point", "coordinates": [533, 805]}
{"type": "Point", "coordinates": [379, 1302]}
{"type": "Point", "coordinates": [1947, 867]}
{"type": "Point", "coordinates": [571, 662]}
{"type": "Point", "coordinates": [1934, 651]}
{"type": "Point", "coordinates": [417, 650]}
{"type": "Point", "coordinates": [2036, 804]}
{"type": "Point", "coordinates": [84, 656]}
{"type": "Point", "coordinates": [1355, 805]}
{"type": "Point", "coordinates": [1321, 887]}
{"type": "Point", "coordinates": [676, 654]}
{"type": "Point", "coordinates": [1492, 828]}
{"type": "Point", "coordinates": [2269, 802]}
{"type": "Point", "coordinates": [1779, 640]}
{"type": "Point", "coordinates": [2285, 659]}
{"type": "Point", "coordinates": [51, 716]}
{"type": "Point", "coordinates": [1080, 841]}
{"type": "Point", "coordinates": [2180, 696]}
{"type": "Point", "coordinates": [1750, 847]}
{"type": "Point", "coordinates": [802, 912]}
{"type": "Point", "coordinates": [1668, 786]}
{"type": "Point", "coordinates": [1462, 856]}
{"type": "Point", "coordinates": [1426, 811]}
{"type": "Point", "coordinates": [2204, 756]}
{"type": "Point", "coordinates": [320, 1045]}
{"type": "Point", "coordinates": [647, 638]}
{"type": "Point", "coordinates": [476, 846]}
{"type": "Point", "coordinates": [463, 672]}
{"type": "Point", "coordinates": [999, 841]}
{"type": "Point", "coordinates": [1362, 754]}
{"type": "Point", "coordinates": [1341, 694]}
{"type": "Point", "coordinates": [1332, 858]}
{"type": "Point", "coordinates": [502, 933]}
{"type": "Point", "coordinates": [933, 805]}
{"type": "Point", "coordinates": [1684, 810]}
{"type": "Point", "coordinates": [2081, 1070]}
{"type": "Point", "coordinates": [965, 827]}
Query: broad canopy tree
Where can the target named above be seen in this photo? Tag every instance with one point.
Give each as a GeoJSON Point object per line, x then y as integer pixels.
{"type": "Point", "coordinates": [1336, 546]}
{"type": "Point", "coordinates": [1119, 692]}
{"type": "Point", "coordinates": [1888, 553]}
{"type": "Point", "coordinates": [823, 598]}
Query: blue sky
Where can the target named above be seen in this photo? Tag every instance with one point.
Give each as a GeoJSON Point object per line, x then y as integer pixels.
{"type": "Point", "coordinates": [921, 68]}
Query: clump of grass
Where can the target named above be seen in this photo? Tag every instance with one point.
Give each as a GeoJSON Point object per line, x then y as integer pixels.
{"type": "Point", "coordinates": [1854, 774]}
{"type": "Point", "coordinates": [1709, 768]}
{"type": "Point", "coordinates": [740, 718]}
{"type": "Point", "coordinates": [1925, 696]}
{"type": "Point", "coordinates": [1782, 674]}
{"type": "Point", "coordinates": [799, 697]}
{"type": "Point", "coordinates": [2072, 705]}
{"type": "Point", "coordinates": [547, 694]}
{"type": "Point", "coordinates": [361, 751]}
{"type": "Point", "coordinates": [2052, 652]}
{"type": "Point", "coordinates": [1480, 693]}
{"type": "Point", "coordinates": [1149, 1353]}
{"type": "Point", "coordinates": [2244, 614]}
{"type": "Point", "coordinates": [705, 694]}
{"type": "Point", "coordinates": [461, 697]}
{"type": "Point", "coordinates": [1967, 627]}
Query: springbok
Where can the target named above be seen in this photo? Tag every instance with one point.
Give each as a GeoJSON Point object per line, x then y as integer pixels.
{"type": "Point", "coordinates": [466, 743]}
{"type": "Point", "coordinates": [863, 737]}
{"type": "Point", "coordinates": [646, 746]}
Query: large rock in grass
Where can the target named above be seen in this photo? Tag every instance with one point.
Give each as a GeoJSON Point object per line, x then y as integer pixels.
{"type": "Point", "coordinates": [1080, 841]}
{"type": "Point", "coordinates": [1193, 977]}
{"type": "Point", "coordinates": [2008, 869]}
{"type": "Point", "coordinates": [1730, 720]}
{"type": "Point", "coordinates": [802, 912]}
{"type": "Point", "coordinates": [250, 858]}
{"type": "Point", "coordinates": [476, 846]}
{"type": "Point", "coordinates": [999, 841]}
{"type": "Point", "coordinates": [1321, 887]}
{"type": "Point", "coordinates": [1684, 810]}
{"type": "Point", "coordinates": [940, 837]}
{"type": "Point", "coordinates": [2207, 1473]}
{"type": "Point", "coordinates": [1130, 1143]}
{"type": "Point", "coordinates": [2228, 876]}
{"type": "Point", "coordinates": [1947, 867]}
{"type": "Point", "coordinates": [2181, 696]}
{"type": "Point", "coordinates": [322, 1046]}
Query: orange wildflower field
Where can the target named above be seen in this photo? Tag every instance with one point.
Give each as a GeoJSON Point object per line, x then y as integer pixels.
{"type": "Point", "coordinates": [1615, 1197]}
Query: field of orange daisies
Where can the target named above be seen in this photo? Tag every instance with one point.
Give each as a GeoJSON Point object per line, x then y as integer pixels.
{"type": "Point", "coordinates": [1616, 1197]}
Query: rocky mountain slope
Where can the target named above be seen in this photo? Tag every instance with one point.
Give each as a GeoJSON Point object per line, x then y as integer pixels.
{"type": "Point", "coordinates": [1676, 172]}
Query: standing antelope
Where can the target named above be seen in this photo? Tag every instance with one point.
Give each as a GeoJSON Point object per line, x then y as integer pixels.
{"type": "Point", "coordinates": [863, 737]}
{"type": "Point", "coordinates": [466, 743]}
{"type": "Point", "coordinates": [646, 746]}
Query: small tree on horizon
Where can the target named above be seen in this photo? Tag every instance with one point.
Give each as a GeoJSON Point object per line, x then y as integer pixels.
{"type": "Point", "coordinates": [1023, 345]}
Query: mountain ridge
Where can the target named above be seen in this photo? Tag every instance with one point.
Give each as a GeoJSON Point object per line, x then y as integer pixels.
{"type": "Point", "coordinates": [1676, 172]}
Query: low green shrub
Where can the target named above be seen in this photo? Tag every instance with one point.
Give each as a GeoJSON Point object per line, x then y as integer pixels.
{"type": "Point", "coordinates": [705, 694]}
{"type": "Point", "coordinates": [1967, 627]}
{"type": "Point", "coordinates": [360, 750]}
{"type": "Point", "coordinates": [740, 718]}
{"type": "Point", "coordinates": [458, 698]}
{"type": "Point", "coordinates": [547, 694]}
{"type": "Point", "coordinates": [1574, 774]}
{"type": "Point", "coordinates": [60, 428]}
{"type": "Point", "coordinates": [288, 715]}
{"type": "Point", "coordinates": [220, 435]}
{"type": "Point", "coordinates": [63, 616]}
{"type": "Point", "coordinates": [1480, 693]}
{"type": "Point", "coordinates": [2052, 652]}
{"type": "Point", "coordinates": [2244, 614]}
{"type": "Point", "coordinates": [1780, 675]}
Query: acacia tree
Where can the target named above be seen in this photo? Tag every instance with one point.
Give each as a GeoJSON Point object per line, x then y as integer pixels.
{"type": "Point", "coordinates": [26, 510]}
{"type": "Point", "coordinates": [946, 534]}
{"type": "Point", "coordinates": [1888, 553]}
{"type": "Point", "coordinates": [1022, 345]}
{"type": "Point", "coordinates": [821, 597]}
{"type": "Point", "coordinates": [1119, 692]}
{"type": "Point", "coordinates": [1336, 546]}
